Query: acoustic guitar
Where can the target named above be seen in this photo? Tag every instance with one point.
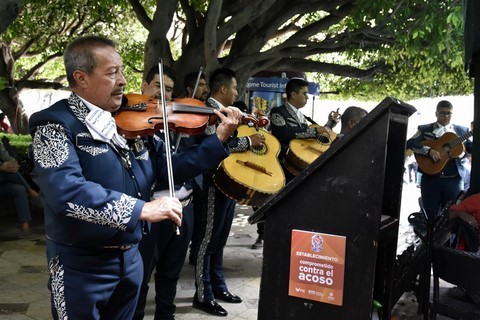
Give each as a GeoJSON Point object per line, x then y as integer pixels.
{"type": "Point", "coordinates": [302, 152]}
{"type": "Point", "coordinates": [450, 147]}
{"type": "Point", "coordinates": [251, 177]}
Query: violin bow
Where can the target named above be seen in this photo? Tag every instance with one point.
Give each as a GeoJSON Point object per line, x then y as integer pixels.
{"type": "Point", "coordinates": [171, 185]}
{"type": "Point", "coordinates": [196, 83]}
{"type": "Point", "coordinates": [180, 136]}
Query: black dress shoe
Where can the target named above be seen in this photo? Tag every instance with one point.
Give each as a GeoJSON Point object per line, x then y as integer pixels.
{"type": "Point", "coordinates": [227, 296]}
{"type": "Point", "coordinates": [211, 307]}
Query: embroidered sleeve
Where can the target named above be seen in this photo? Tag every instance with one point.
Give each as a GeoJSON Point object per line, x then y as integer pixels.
{"type": "Point", "coordinates": [415, 144]}
{"type": "Point", "coordinates": [240, 144]}
{"type": "Point", "coordinates": [309, 133]}
{"type": "Point", "coordinates": [61, 178]}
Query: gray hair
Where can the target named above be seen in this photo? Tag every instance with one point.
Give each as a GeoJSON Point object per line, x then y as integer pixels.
{"type": "Point", "coordinates": [80, 55]}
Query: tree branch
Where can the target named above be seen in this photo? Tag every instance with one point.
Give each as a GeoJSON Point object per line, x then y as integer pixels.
{"type": "Point", "coordinates": [34, 69]}
{"type": "Point", "coordinates": [38, 84]}
{"type": "Point", "coordinates": [213, 14]}
{"type": "Point", "coordinates": [141, 14]}
{"type": "Point", "coordinates": [330, 68]}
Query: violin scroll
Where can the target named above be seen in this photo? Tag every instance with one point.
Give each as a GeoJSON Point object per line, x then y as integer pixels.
{"type": "Point", "coordinates": [252, 121]}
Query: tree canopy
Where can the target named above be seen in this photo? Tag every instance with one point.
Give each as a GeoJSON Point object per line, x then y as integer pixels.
{"type": "Point", "coordinates": [358, 49]}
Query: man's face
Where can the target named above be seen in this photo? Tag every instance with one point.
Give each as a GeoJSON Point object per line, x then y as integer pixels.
{"type": "Point", "coordinates": [153, 88]}
{"type": "Point", "coordinates": [202, 90]}
{"type": "Point", "coordinates": [444, 115]}
{"type": "Point", "coordinates": [104, 86]}
{"type": "Point", "coordinates": [231, 93]}
{"type": "Point", "coordinates": [299, 99]}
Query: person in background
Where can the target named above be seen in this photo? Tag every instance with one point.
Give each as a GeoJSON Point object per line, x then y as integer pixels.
{"type": "Point", "coordinates": [468, 210]}
{"type": "Point", "coordinates": [189, 81]}
{"type": "Point", "coordinates": [438, 190]}
{"type": "Point", "coordinates": [349, 119]}
{"type": "Point", "coordinates": [97, 186]}
{"type": "Point", "coordinates": [13, 185]}
{"type": "Point", "coordinates": [465, 220]}
{"type": "Point", "coordinates": [151, 84]}
{"type": "Point", "coordinates": [5, 126]}
{"type": "Point", "coordinates": [218, 210]}
{"type": "Point", "coordinates": [201, 93]}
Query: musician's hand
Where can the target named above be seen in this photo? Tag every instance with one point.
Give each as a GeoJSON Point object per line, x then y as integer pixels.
{"type": "Point", "coordinates": [326, 130]}
{"type": "Point", "coordinates": [161, 209]}
{"type": "Point", "coordinates": [335, 116]}
{"type": "Point", "coordinates": [435, 155]}
{"type": "Point", "coordinates": [229, 117]}
{"type": "Point", "coordinates": [257, 139]}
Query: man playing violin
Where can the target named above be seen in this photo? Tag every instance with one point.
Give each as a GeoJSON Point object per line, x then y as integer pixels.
{"type": "Point", "coordinates": [97, 186]}
{"type": "Point", "coordinates": [162, 249]}
{"type": "Point", "coordinates": [151, 84]}
{"type": "Point", "coordinates": [200, 91]}
{"type": "Point", "coordinates": [196, 86]}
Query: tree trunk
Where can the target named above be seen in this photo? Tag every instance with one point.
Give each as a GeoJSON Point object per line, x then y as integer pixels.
{"type": "Point", "coordinates": [9, 10]}
{"type": "Point", "coordinates": [10, 103]}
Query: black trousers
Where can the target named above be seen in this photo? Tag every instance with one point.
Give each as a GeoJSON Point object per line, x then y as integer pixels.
{"type": "Point", "coordinates": [164, 251]}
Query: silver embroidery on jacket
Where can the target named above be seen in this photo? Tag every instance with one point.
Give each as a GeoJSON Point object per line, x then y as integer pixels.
{"type": "Point", "coordinates": [50, 147]}
{"type": "Point", "coordinates": [78, 107]}
{"type": "Point", "coordinates": [277, 120]}
{"type": "Point", "coordinates": [116, 214]}
{"type": "Point", "coordinates": [58, 287]}
{"type": "Point", "coordinates": [309, 133]}
{"type": "Point", "coordinates": [143, 156]}
{"type": "Point", "coordinates": [207, 238]}
{"type": "Point", "coordinates": [93, 150]}
{"type": "Point", "coordinates": [242, 145]}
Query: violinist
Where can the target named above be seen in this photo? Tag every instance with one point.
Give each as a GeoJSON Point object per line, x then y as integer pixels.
{"type": "Point", "coordinates": [196, 86]}
{"type": "Point", "coordinates": [97, 186]}
{"type": "Point", "coordinates": [162, 249]}
{"type": "Point", "coordinates": [218, 210]}
{"type": "Point", "coordinates": [151, 84]}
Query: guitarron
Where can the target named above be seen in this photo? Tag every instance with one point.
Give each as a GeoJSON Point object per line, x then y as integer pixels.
{"type": "Point", "coordinates": [450, 147]}
{"type": "Point", "coordinates": [251, 177]}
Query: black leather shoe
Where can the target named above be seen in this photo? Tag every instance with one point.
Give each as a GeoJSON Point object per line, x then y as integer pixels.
{"type": "Point", "coordinates": [227, 296]}
{"type": "Point", "coordinates": [211, 307]}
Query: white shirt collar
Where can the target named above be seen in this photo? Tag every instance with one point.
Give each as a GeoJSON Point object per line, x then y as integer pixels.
{"type": "Point", "coordinates": [102, 126]}
{"type": "Point", "coordinates": [299, 114]}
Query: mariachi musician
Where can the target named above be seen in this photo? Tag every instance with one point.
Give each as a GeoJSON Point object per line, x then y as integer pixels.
{"type": "Point", "coordinates": [288, 122]}
{"type": "Point", "coordinates": [444, 186]}
{"type": "Point", "coordinates": [96, 186]}
{"type": "Point", "coordinates": [218, 211]}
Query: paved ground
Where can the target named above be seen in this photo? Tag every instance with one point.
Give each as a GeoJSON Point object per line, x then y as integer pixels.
{"type": "Point", "coordinates": [23, 277]}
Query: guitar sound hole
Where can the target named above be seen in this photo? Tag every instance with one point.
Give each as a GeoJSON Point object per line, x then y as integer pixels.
{"type": "Point", "coordinates": [259, 150]}
{"type": "Point", "coordinates": [323, 139]}
{"type": "Point", "coordinates": [447, 147]}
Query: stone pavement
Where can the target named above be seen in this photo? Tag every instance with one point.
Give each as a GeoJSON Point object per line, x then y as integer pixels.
{"type": "Point", "coordinates": [23, 275]}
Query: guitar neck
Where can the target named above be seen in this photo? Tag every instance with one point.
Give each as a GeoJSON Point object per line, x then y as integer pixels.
{"type": "Point", "coordinates": [462, 138]}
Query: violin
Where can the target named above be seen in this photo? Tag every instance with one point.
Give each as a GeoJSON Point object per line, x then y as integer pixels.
{"type": "Point", "coordinates": [140, 115]}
